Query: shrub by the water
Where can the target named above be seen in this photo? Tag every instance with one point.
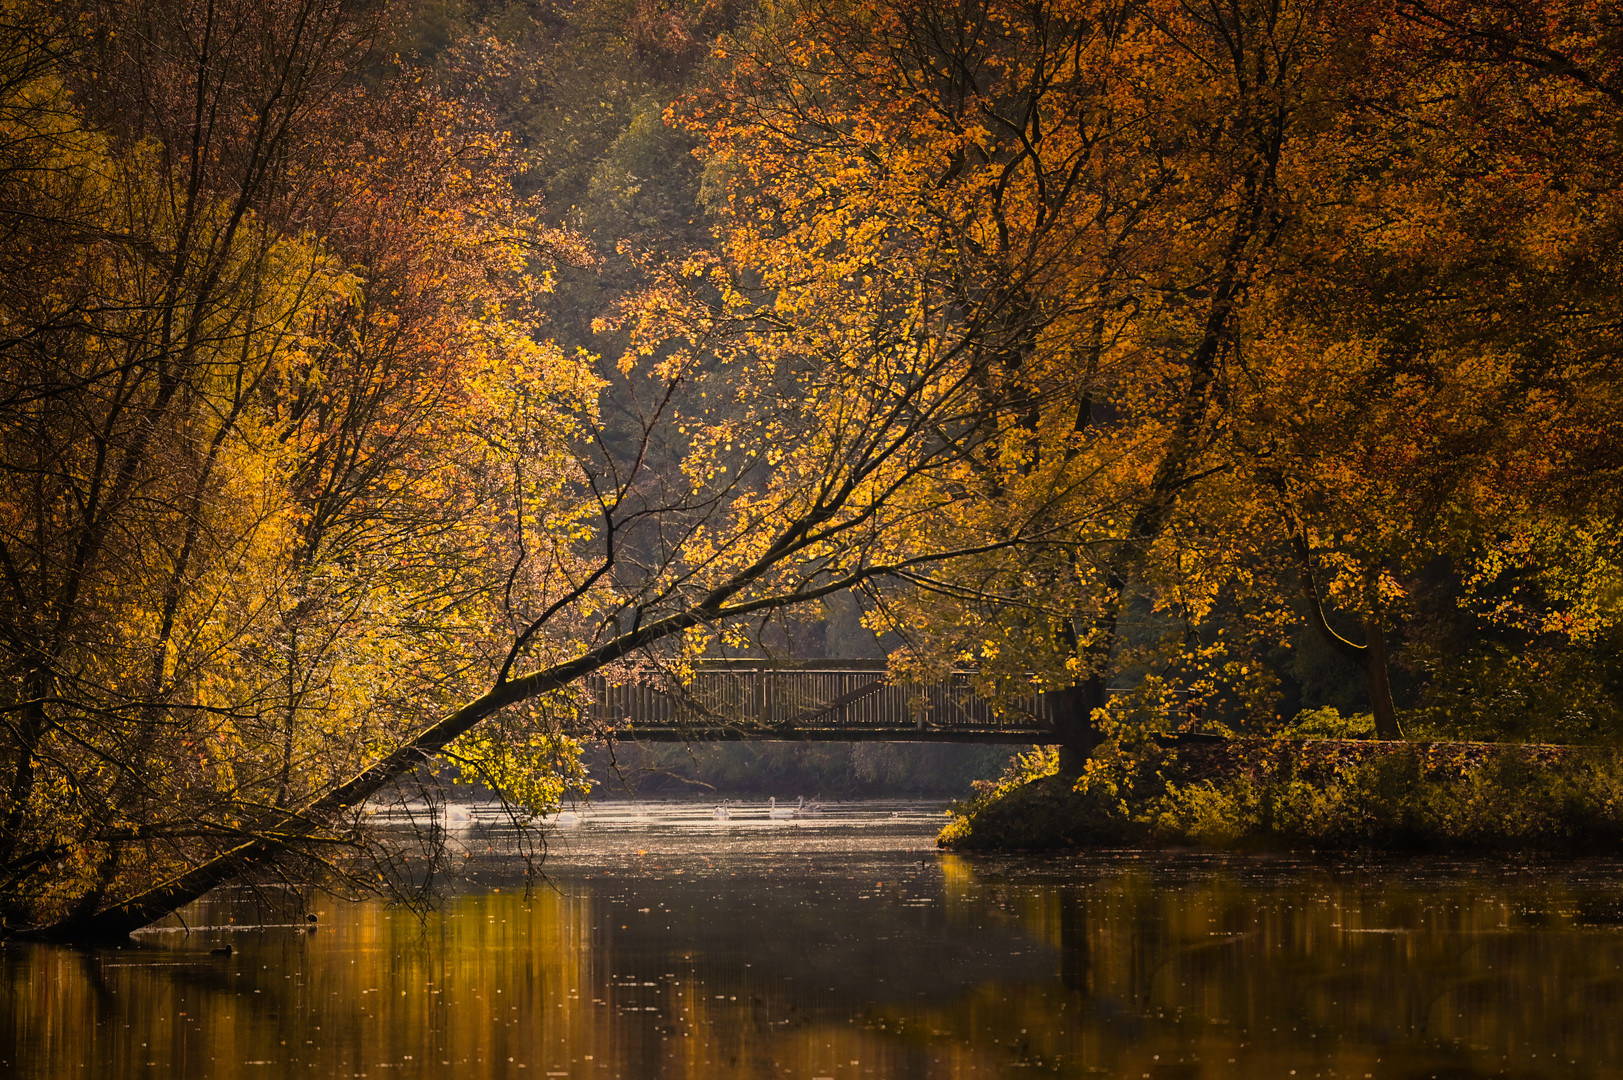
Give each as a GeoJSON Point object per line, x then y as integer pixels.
{"type": "Point", "coordinates": [1031, 806]}
{"type": "Point", "coordinates": [1320, 793]}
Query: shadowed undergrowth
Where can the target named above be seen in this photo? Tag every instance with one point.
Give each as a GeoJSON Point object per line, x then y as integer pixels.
{"type": "Point", "coordinates": [1319, 793]}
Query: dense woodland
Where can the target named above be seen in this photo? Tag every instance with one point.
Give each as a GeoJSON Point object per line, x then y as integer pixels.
{"type": "Point", "coordinates": [370, 373]}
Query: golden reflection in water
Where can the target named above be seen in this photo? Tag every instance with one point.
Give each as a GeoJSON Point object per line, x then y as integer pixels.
{"type": "Point", "coordinates": [948, 969]}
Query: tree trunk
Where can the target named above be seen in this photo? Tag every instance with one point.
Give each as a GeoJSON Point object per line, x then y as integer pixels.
{"type": "Point", "coordinates": [1177, 466]}
{"type": "Point", "coordinates": [1370, 657]}
{"type": "Point", "coordinates": [278, 832]}
{"type": "Point", "coordinates": [1380, 686]}
{"type": "Point", "coordinates": [30, 729]}
{"type": "Point", "coordinates": [1079, 736]}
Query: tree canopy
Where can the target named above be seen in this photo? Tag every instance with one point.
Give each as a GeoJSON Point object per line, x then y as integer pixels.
{"type": "Point", "coordinates": [370, 375]}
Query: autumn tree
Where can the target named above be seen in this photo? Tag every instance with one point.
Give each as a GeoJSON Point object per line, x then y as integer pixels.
{"type": "Point", "coordinates": [1231, 281]}
{"type": "Point", "coordinates": [1081, 195]}
{"type": "Point", "coordinates": [1064, 331]}
{"type": "Point", "coordinates": [385, 531]}
{"type": "Point", "coordinates": [138, 339]}
{"type": "Point", "coordinates": [1433, 367]}
{"type": "Point", "coordinates": [285, 431]}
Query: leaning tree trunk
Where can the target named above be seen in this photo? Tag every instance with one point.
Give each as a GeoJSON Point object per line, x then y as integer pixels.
{"type": "Point", "coordinates": [289, 829]}
{"type": "Point", "coordinates": [1078, 729]}
{"type": "Point", "coordinates": [286, 830]}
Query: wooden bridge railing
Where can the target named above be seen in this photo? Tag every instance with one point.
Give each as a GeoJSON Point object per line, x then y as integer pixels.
{"type": "Point", "coordinates": [826, 702]}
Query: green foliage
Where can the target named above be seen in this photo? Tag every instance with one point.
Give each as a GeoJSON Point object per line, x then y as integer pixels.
{"type": "Point", "coordinates": [521, 756]}
{"type": "Point", "coordinates": [1032, 806]}
{"type": "Point", "coordinates": [1395, 801]}
{"type": "Point", "coordinates": [1277, 796]}
{"type": "Point", "coordinates": [1023, 769]}
{"type": "Point", "coordinates": [1537, 693]}
{"type": "Point", "coordinates": [645, 184]}
{"type": "Point", "coordinates": [1328, 723]}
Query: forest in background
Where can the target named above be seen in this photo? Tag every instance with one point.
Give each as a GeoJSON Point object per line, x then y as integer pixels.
{"type": "Point", "coordinates": [371, 374]}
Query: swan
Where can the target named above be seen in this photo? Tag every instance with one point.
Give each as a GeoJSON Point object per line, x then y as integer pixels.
{"type": "Point", "coordinates": [813, 807]}
{"type": "Point", "coordinates": [722, 811]}
{"type": "Point", "coordinates": [773, 811]}
{"type": "Point", "coordinates": [456, 818]}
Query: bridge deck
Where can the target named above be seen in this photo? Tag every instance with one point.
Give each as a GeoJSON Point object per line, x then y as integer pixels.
{"type": "Point", "coordinates": [812, 704]}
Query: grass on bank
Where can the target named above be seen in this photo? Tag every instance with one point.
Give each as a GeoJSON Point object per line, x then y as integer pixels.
{"type": "Point", "coordinates": [1324, 793]}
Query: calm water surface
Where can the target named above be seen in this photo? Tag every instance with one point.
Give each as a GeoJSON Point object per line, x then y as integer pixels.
{"type": "Point", "coordinates": [667, 943]}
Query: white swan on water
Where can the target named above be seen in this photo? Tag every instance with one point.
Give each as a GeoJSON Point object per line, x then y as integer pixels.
{"type": "Point", "coordinates": [773, 811]}
{"type": "Point", "coordinates": [723, 810]}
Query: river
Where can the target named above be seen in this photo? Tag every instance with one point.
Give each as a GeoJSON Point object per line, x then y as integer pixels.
{"type": "Point", "coordinates": [663, 942]}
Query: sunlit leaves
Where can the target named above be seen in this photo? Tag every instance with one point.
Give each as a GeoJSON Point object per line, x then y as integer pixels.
{"type": "Point", "coordinates": [284, 456]}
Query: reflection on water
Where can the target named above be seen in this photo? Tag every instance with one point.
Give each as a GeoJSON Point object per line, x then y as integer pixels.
{"type": "Point", "coordinates": [668, 943]}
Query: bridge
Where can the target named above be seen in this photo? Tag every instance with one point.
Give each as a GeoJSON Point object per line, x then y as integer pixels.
{"type": "Point", "coordinates": [836, 701]}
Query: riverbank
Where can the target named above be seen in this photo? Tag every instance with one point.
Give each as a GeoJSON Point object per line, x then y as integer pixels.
{"type": "Point", "coordinates": [1326, 794]}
